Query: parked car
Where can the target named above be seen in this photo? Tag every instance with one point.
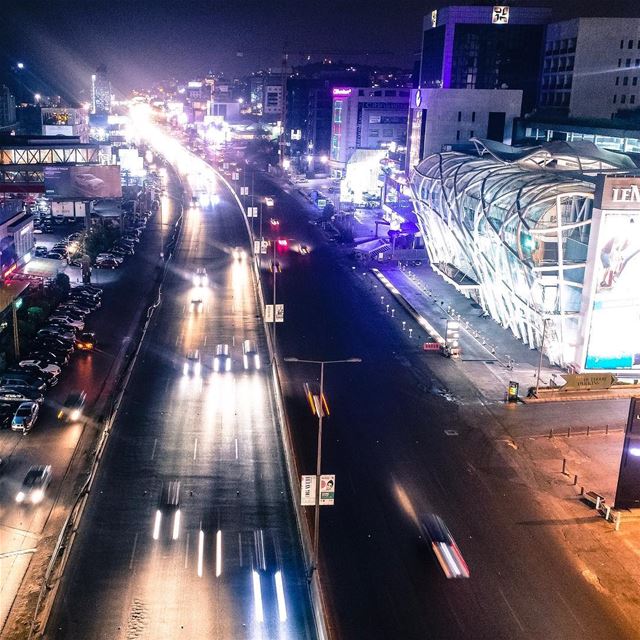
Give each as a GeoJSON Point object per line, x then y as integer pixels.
{"type": "Point", "coordinates": [49, 377]}
{"type": "Point", "coordinates": [63, 319]}
{"type": "Point", "coordinates": [53, 344]}
{"type": "Point", "coordinates": [43, 365]}
{"type": "Point", "coordinates": [10, 381]}
{"type": "Point", "coordinates": [57, 332]}
{"type": "Point", "coordinates": [89, 288]}
{"type": "Point", "coordinates": [123, 248]}
{"type": "Point", "coordinates": [110, 263]}
{"type": "Point", "coordinates": [56, 255]}
{"type": "Point", "coordinates": [86, 341]}
{"type": "Point", "coordinates": [34, 485]}
{"type": "Point", "coordinates": [25, 417]}
{"type": "Point", "coordinates": [108, 256]}
{"type": "Point", "coordinates": [86, 292]}
{"type": "Point", "coordinates": [71, 311]}
{"type": "Point", "coordinates": [20, 394]}
{"type": "Point", "coordinates": [55, 356]}
{"type": "Point", "coordinates": [222, 359]}
{"type": "Point", "coordinates": [72, 408]}
{"type": "Point", "coordinates": [40, 251]}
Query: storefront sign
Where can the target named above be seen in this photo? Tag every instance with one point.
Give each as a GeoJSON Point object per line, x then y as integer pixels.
{"type": "Point", "coordinates": [500, 15]}
{"type": "Point", "coordinates": [619, 193]}
{"type": "Point", "coordinates": [342, 91]}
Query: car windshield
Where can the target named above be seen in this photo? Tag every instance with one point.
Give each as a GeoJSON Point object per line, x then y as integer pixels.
{"type": "Point", "coordinates": [33, 478]}
{"type": "Point", "coordinates": [23, 413]}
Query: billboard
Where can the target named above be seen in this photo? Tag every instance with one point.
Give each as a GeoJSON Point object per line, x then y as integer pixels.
{"type": "Point", "coordinates": [83, 182]}
{"type": "Point", "coordinates": [614, 329]}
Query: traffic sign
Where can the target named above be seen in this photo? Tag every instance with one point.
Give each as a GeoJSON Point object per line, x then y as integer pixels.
{"type": "Point", "coordinates": [252, 212]}
{"type": "Point", "coordinates": [279, 313]}
{"type": "Point", "coordinates": [308, 491]}
{"type": "Point", "coordinates": [588, 381]}
{"type": "Point", "coordinates": [268, 313]}
{"type": "Point", "coordinates": [244, 191]}
{"type": "Point", "coordinates": [256, 246]}
{"type": "Point", "coordinates": [327, 489]}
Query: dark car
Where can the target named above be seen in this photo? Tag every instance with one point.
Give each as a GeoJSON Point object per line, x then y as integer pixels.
{"type": "Point", "coordinates": [72, 408]}
{"type": "Point", "coordinates": [444, 547]}
{"type": "Point", "coordinates": [84, 301]}
{"type": "Point", "coordinates": [20, 394]}
{"type": "Point", "coordinates": [40, 252]}
{"type": "Point", "coordinates": [85, 293]}
{"type": "Point", "coordinates": [50, 377]}
{"type": "Point", "coordinates": [86, 341]}
{"type": "Point", "coordinates": [9, 379]}
{"type": "Point", "coordinates": [57, 332]}
{"type": "Point", "coordinates": [56, 255]}
{"type": "Point", "coordinates": [90, 288]}
{"type": "Point", "coordinates": [168, 507]}
{"type": "Point", "coordinates": [60, 357]}
{"type": "Point", "coordinates": [53, 344]}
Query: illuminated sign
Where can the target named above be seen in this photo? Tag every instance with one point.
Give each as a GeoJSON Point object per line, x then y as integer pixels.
{"type": "Point", "coordinates": [628, 489]}
{"type": "Point", "coordinates": [434, 18]}
{"type": "Point", "coordinates": [500, 15]}
{"type": "Point", "coordinates": [619, 193]}
{"type": "Point", "coordinates": [342, 91]}
{"type": "Point", "coordinates": [417, 99]}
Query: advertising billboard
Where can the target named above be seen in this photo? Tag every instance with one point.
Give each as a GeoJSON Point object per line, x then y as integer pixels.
{"type": "Point", "coordinates": [614, 329]}
{"type": "Point", "coordinates": [82, 182]}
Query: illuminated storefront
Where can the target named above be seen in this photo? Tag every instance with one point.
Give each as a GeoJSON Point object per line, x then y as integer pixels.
{"type": "Point", "coordinates": [517, 229]}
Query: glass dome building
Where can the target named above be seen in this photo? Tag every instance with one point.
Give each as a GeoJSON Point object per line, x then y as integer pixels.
{"type": "Point", "coordinates": [511, 228]}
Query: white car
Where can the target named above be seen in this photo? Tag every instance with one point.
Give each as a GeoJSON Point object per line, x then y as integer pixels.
{"type": "Point", "coordinates": [53, 369]}
{"type": "Point", "coordinates": [109, 256]}
{"type": "Point", "coordinates": [60, 318]}
{"type": "Point", "coordinates": [222, 359]}
{"type": "Point", "coordinates": [192, 364]}
{"type": "Point", "coordinates": [34, 485]}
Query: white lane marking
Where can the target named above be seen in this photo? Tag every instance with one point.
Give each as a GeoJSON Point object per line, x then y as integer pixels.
{"type": "Point", "coordinates": [153, 451]}
{"type": "Point", "coordinates": [240, 546]}
{"type": "Point", "coordinates": [133, 551]}
{"type": "Point", "coordinates": [195, 448]}
{"type": "Point", "coordinates": [218, 553]}
{"type": "Point", "coordinates": [186, 552]}
{"type": "Point", "coordinates": [205, 341]}
{"type": "Point", "coordinates": [200, 552]}
{"type": "Point", "coordinates": [233, 341]}
{"type": "Point", "coordinates": [282, 605]}
{"type": "Point", "coordinates": [236, 448]}
{"type": "Point", "coordinates": [513, 613]}
{"type": "Point", "coordinates": [177, 339]}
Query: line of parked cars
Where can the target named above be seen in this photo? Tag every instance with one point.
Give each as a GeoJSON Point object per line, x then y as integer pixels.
{"type": "Point", "coordinates": [22, 388]}
{"type": "Point", "coordinates": [123, 247]}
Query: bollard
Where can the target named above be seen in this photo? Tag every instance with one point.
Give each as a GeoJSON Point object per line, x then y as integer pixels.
{"type": "Point", "coordinates": [588, 429]}
{"type": "Point", "coordinates": [568, 431]}
{"type": "Point", "coordinates": [410, 332]}
{"type": "Point", "coordinates": [617, 519]}
{"type": "Point", "coordinates": [575, 480]}
{"type": "Point", "coordinates": [393, 313]}
{"type": "Point", "coordinates": [606, 430]}
{"type": "Point", "coordinates": [404, 325]}
{"type": "Point", "coordinates": [608, 513]}
{"type": "Point", "coordinates": [564, 466]}
{"type": "Point", "coordinates": [381, 299]}
{"type": "Point", "coordinates": [581, 491]}
{"type": "Point", "coordinates": [550, 433]}
{"type": "Point", "coordinates": [387, 308]}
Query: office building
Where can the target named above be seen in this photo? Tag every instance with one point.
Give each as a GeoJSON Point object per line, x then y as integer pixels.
{"type": "Point", "coordinates": [591, 68]}
{"type": "Point", "coordinates": [7, 107]}
{"type": "Point", "coordinates": [366, 118]}
{"type": "Point", "coordinates": [546, 239]}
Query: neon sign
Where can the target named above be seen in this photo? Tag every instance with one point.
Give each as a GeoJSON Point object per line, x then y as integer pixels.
{"type": "Point", "coordinates": [342, 91]}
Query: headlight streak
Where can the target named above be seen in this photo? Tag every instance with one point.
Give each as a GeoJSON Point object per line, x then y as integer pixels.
{"type": "Point", "coordinates": [156, 525]}
{"type": "Point", "coordinates": [200, 552]}
{"type": "Point", "coordinates": [176, 525]}
{"type": "Point", "coordinates": [218, 553]}
{"type": "Point", "coordinates": [282, 605]}
{"type": "Point", "coordinates": [257, 596]}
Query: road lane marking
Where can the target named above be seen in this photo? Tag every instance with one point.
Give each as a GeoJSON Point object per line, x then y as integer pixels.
{"type": "Point", "coordinates": [205, 341]}
{"type": "Point", "coordinates": [177, 339]}
{"type": "Point", "coordinates": [153, 451]}
{"type": "Point", "coordinates": [195, 448]}
{"type": "Point", "coordinates": [240, 546]}
{"type": "Point", "coordinates": [236, 448]}
{"type": "Point", "coordinates": [513, 613]}
{"type": "Point", "coordinates": [186, 552]}
{"type": "Point", "coordinates": [282, 605]}
{"type": "Point", "coordinates": [133, 551]}
{"type": "Point", "coordinates": [257, 597]}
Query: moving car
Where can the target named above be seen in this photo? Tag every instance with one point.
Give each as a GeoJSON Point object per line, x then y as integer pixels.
{"type": "Point", "coordinates": [169, 506]}
{"type": "Point", "coordinates": [250, 356]}
{"type": "Point", "coordinates": [110, 263]}
{"type": "Point", "coordinates": [72, 407]}
{"type": "Point", "coordinates": [222, 359]}
{"type": "Point", "coordinates": [56, 255]}
{"type": "Point", "coordinates": [448, 555]}
{"type": "Point", "coordinates": [25, 417]}
{"type": "Point", "coordinates": [192, 364]}
{"type": "Point", "coordinates": [86, 341]}
{"type": "Point", "coordinates": [200, 278]}
{"type": "Point", "coordinates": [34, 485]}
{"type": "Point", "coordinates": [239, 254]}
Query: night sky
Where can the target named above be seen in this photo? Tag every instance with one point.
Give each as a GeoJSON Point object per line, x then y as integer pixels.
{"type": "Point", "coordinates": [142, 41]}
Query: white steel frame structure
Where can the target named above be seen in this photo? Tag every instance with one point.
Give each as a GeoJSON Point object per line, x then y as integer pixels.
{"type": "Point", "coordinates": [511, 228]}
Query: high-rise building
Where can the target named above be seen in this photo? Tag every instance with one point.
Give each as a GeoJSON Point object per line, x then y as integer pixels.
{"type": "Point", "coordinates": [7, 107]}
{"type": "Point", "coordinates": [100, 91]}
{"type": "Point", "coordinates": [591, 67]}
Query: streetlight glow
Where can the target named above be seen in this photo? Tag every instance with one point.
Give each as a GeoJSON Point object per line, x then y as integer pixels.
{"type": "Point", "coordinates": [20, 65]}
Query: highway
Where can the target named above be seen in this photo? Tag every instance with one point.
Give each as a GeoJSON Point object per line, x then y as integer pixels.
{"type": "Point", "coordinates": [400, 449]}
{"type": "Point", "coordinates": [221, 558]}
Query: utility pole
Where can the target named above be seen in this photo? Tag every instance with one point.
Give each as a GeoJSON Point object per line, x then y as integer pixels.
{"type": "Point", "coordinates": [283, 110]}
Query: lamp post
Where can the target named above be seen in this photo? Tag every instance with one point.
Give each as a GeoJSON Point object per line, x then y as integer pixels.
{"type": "Point", "coordinates": [319, 409]}
{"type": "Point", "coordinates": [544, 335]}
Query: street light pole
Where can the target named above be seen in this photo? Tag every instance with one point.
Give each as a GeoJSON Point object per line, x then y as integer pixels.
{"type": "Point", "coordinates": [319, 407]}
{"type": "Point", "coordinates": [275, 273]}
{"type": "Point", "coordinates": [544, 335]}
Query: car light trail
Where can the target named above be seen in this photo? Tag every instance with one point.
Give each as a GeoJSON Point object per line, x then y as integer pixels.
{"type": "Point", "coordinates": [176, 525]}
{"type": "Point", "coordinates": [156, 525]}
{"type": "Point", "coordinates": [257, 597]}
{"type": "Point", "coordinates": [200, 552]}
{"type": "Point", "coordinates": [282, 605]}
{"type": "Point", "coordinates": [218, 553]}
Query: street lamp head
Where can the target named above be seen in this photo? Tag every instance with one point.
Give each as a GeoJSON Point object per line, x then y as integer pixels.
{"type": "Point", "coordinates": [353, 360]}
{"type": "Point", "coordinates": [20, 65]}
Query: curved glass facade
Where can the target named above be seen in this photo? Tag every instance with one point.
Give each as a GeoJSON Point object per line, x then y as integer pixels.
{"type": "Point", "coordinates": [512, 230]}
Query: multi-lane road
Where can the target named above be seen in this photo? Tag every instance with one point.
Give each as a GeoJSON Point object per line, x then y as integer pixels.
{"type": "Point", "coordinates": [221, 557]}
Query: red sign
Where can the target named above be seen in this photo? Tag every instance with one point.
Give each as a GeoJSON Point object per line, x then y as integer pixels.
{"type": "Point", "coordinates": [431, 346]}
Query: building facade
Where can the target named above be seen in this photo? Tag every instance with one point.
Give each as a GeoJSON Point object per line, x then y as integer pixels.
{"type": "Point", "coordinates": [591, 67]}
{"type": "Point", "coordinates": [100, 91]}
{"type": "Point", "coordinates": [366, 118]}
{"type": "Point", "coordinates": [65, 121]}
{"type": "Point", "coordinates": [546, 240]}
{"type": "Point", "coordinates": [7, 107]}
{"type": "Point", "coordinates": [444, 117]}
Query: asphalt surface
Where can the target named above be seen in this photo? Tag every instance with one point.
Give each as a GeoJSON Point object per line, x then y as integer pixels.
{"type": "Point", "coordinates": [54, 442]}
{"type": "Point", "coordinates": [137, 568]}
{"type": "Point", "coordinates": [386, 442]}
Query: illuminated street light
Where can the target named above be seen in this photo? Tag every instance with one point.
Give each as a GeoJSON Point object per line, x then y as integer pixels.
{"type": "Point", "coordinates": [37, 97]}
{"type": "Point", "coordinates": [324, 159]}
{"type": "Point", "coordinates": [321, 410]}
{"type": "Point", "coordinates": [20, 65]}
{"type": "Point", "coordinates": [309, 158]}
